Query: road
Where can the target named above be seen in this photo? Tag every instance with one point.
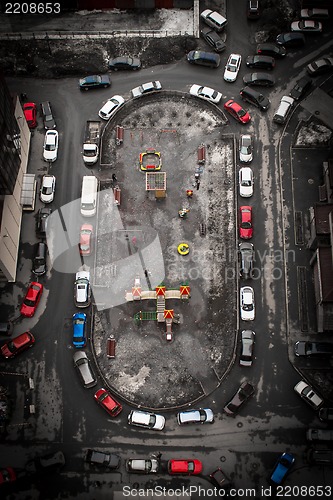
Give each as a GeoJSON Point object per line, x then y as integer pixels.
{"type": "Point", "coordinates": [66, 417]}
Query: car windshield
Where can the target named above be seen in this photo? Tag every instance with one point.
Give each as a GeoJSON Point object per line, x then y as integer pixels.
{"type": "Point", "coordinates": [248, 307]}
{"type": "Point", "coordinates": [50, 147]}
{"type": "Point", "coordinates": [246, 225]}
{"type": "Point", "coordinates": [152, 420]}
{"type": "Point", "coordinates": [246, 183]}
{"type": "Point", "coordinates": [241, 112]}
{"type": "Point", "coordinates": [79, 321]}
{"type": "Point", "coordinates": [29, 303]}
{"type": "Point", "coordinates": [47, 190]}
{"type": "Point", "coordinates": [79, 339]}
{"type": "Point", "coordinates": [11, 347]}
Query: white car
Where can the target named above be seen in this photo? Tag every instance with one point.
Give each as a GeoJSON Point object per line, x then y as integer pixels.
{"type": "Point", "coordinates": [142, 466]}
{"type": "Point", "coordinates": [50, 148]}
{"type": "Point", "coordinates": [246, 357]}
{"type": "Point", "coordinates": [247, 308]}
{"type": "Point", "coordinates": [206, 93]}
{"type": "Point", "coordinates": [245, 148]}
{"type": "Point", "coordinates": [201, 416]}
{"type": "Point", "coordinates": [145, 88]}
{"type": "Point", "coordinates": [147, 420]}
{"type": "Point", "coordinates": [111, 106]}
{"type": "Point", "coordinates": [47, 188]}
{"type": "Point", "coordinates": [232, 67]}
{"type": "Point", "coordinates": [245, 182]}
{"type": "Point", "coordinates": [306, 26]}
{"type": "Point", "coordinates": [308, 394]}
{"type": "Point", "coordinates": [82, 291]}
{"type": "Point", "coordinates": [214, 19]}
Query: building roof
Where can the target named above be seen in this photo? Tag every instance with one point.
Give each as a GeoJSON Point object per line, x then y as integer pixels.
{"type": "Point", "coordinates": [321, 215]}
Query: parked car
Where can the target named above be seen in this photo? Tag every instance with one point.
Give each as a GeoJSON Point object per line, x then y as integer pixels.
{"type": "Point", "coordinates": [314, 13]}
{"type": "Point", "coordinates": [142, 465]}
{"type": "Point", "coordinates": [104, 399]}
{"type": "Point", "coordinates": [309, 395]}
{"type": "Point", "coordinates": [245, 222]}
{"type": "Point", "coordinates": [30, 114]}
{"type": "Point", "coordinates": [208, 59]}
{"type": "Point", "coordinates": [85, 245]}
{"type": "Point", "coordinates": [31, 299]}
{"type": "Point", "coordinates": [17, 345]}
{"type": "Point", "coordinates": [245, 177]}
{"type": "Point", "coordinates": [319, 434]}
{"type": "Point", "coordinates": [246, 257]}
{"type": "Point", "coordinates": [51, 462]}
{"type": "Point", "coordinates": [232, 67]}
{"type": "Point", "coordinates": [94, 82]}
{"type": "Point", "coordinates": [43, 214]}
{"type": "Point", "coordinates": [245, 148]}
{"type": "Point", "coordinates": [320, 66]}
{"type": "Point", "coordinates": [243, 394]}
{"type": "Point", "coordinates": [146, 88]}
{"type": "Point", "coordinates": [326, 415]}
{"type": "Point", "coordinates": [247, 306]}
{"type": "Point", "coordinates": [214, 19]}
{"type": "Point", "coordinates": [300, 88]}
{"type": "Point", "coordinates": [254, 97]}
{"type": "Point", "coordinates": [281, 468]}
{"type": "Point", "coordinates": [7, 475]}
{"type": "Point", "coordinates": [319, 457]}
{"type": "Point", "coordinates": [82, 364]}
{"type": "Point", "coordinates": [219, 479]}
{"type": "Point", "coordinates": [103, 459]}
{"type": "Point", "coordinates": [147, 420]}
{"type": "Point", "coordinates": [239, 113]}
{"type": "Point", "coordinates": [253, 10]}
{"type": "Point", "coordinates": [124, 63]}
{"type": "Point", "coordinates": [246, 357]}
{"type": "Point", "coordinates": [110, 107]}
{"type": "Point", "coordinates": [260, 79]}
{"type": "Point", "coordinates": [307, 26]}
{"type": "Point", "coordinates": [184, 466]}
{"type": "Point", "coordinates": [281, 114]}
{"type": "Point", "coordinates": [271, 49]}
{"type": "Point", "coordinates": [6, 328]}
{"type": "Point", "coordinates": [201, 416]}
{"type": "Point", "coordinates": [50, 148]}
{"type": "Point", "coordinates": [260, 62]}
{"type": "Point", "coordinates": [79, 330]}
{"type": "Point", "coordinates": [291, 40]}
{"type": "Point", "coordinates": [47, 188]}
{"type": "Point", "coordinates": [82, 290]}
{"type": "Point", "coordinates": [49, 122]}
{"type": "Point", "coordinates": [213, 39]}
{"type": "Point", "coordinates": [305, 348]}
{"type": "Point", "coordinates": [39, 262]}
{"type": "Point", "coordinates": [206, 93]}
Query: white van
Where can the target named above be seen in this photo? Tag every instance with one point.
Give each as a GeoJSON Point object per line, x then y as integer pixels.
{"type": "Point", "coordinates": [89, 195]}
{"type": "Point", "coordinates": [214, 19]}
{"type": "Point", "coordinates": [283, 110]}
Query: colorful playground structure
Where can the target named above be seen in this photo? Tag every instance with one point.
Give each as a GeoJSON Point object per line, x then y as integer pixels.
{"type": "Point", "coordinates": [160, 294]}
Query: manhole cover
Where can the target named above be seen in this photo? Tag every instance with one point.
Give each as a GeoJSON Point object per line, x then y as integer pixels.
{"type": "Point", "coordinates": [310, 181]}
{"type": "Point", "coordinates": [239, 424]}
{"type": "Point", "coordinates": [223, 459]}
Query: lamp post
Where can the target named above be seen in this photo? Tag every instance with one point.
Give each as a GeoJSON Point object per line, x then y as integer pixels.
{"type": "Point", "coordinates": [47, 38]}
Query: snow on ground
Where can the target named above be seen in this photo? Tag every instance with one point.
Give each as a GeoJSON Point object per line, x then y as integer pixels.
{"type": "Point", "coordinates": [313, 134]}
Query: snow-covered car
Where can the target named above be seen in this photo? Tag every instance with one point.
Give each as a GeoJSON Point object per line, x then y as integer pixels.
{"type": "Point", "coordinates": [245, 148]}
{"type": "Point", "coordinates": [232, 67]}
{"type": "Point", "coordinates": [145, 88]}
{"type": "Point", "coordinates": [111, 106]}
{"type": "Point", "coordinates": [307, 26]}
{"type": "Point", "coordinates": [50, 148]}
{"type": "Point", "coordinates": [82, 291]}
{"type": "Point", "coordinates": [247, 307]}
{"type": "Point", "coordinates": [206, 93]}
{"type": "Point", "coordinates": [47, 188]}
{"type": "Point", "coordinates": [245, 182]}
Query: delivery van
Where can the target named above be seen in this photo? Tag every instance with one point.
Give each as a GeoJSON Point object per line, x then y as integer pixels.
{"type": "Point", "coordinates": [89, 196]}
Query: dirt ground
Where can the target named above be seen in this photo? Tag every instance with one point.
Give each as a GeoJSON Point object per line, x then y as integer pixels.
{"type": "Point", "coordinates": [148, 370]}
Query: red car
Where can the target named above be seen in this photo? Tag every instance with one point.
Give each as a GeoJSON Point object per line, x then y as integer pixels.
{"type": "Point", "coordinates": [185, 466]}
{"type": "Point", "coordinates": [17, 345]}
{"type": "Point", "coordinates": [237, 111]}
{"type": "Point", "coordinates": [106, 401]}
{"type": "Point", "coordinates": [86, 232]}
{"type": "Point", "coordinates": [30, 303]}
{"type": "Point", "coordinates": [30, 113]}
{"type": "Point", "coordinates": [245, 223]}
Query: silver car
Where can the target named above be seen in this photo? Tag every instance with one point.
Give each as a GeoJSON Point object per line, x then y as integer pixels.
{"type": "Point", "coordinates": [245, 148]}
{"type": "Point", "coordinates": [200, 416]}
{"type": "Point", "coordinates": [81, 362]}
{"type": "Point", "coordinates": [147, 420]}
{"type": "Point", "coordinates": [146, 88]}
{"type": "Point", "coordinates": [246, 356]}
{"type": "Point", "coordinates": [141, 466]}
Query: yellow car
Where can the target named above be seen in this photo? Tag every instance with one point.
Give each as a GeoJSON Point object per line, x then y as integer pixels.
{"type": "Point", "coordinates": [150, 160]}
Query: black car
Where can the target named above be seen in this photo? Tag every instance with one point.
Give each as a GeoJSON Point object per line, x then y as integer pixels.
{"type": "Point", "coordinates": [246, 256]}
{"type": "Point", "coordinates": [39, 263]}
{"type": "Point", "coordinates": [243, 394]}
{"type": "Point", "coordinates": [320, 66]}
{"type": "Point", "coordinates": [291, 40]}
{"type": "Point", "coordinates": [326, 415]}
{"type": "Point", "coordinates": [260, 79]}
{"type": "Point", "coordinates": [103, 459]}
{"type": "Point", "coordinates": [48, 119]}
{"type": "Point", "coordinates": [253, 11]}
{"type": "Point", "coordinates": [124, 62]}
{"type": "Point", "coordinates": [252, 96]}
{"type": "Point", "coordinates": [219, 479]}
{"type": "Point", "coordinates": [213, 39]}
{"type": "Point", "coordinates": [264, 62]}
{"type": "Point", "coordinates": [300, 88]}
{"type": "Point", "coordinates": [94, 82]}
{"type": "Point", "coordinates": [303, 348]}
{"type": "Point", "coordinates": [271, 49]}
{"type": "Point", "coordinates": [52, 462]}
{"type": "Point", "coordinates": [43, 214]}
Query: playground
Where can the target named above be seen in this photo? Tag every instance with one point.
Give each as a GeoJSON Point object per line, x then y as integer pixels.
{"type": "Point", "coordinates": [165, 271]}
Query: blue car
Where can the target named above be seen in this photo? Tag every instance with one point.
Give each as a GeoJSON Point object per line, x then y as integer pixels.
{"type": "Point", "coordinates": [94, 82]}
{"type": "Point", "coordinates": [281, 468]}
{"type": "Point", "coordinates": [79, 329]}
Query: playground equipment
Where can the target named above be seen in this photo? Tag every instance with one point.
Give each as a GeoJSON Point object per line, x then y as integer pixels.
{"type": "Point", "coordinates": [189, 193]}
{"type": "Point", "coordinates": [183, 212]}
{"type": "Point", "coordinates": [156, 181]}
{"type": "Point", "coordinates": [150, 160]}
{"type": "Point", "coordinates": [117, 195]}
{"type": "Point", "coordinates": [201, 154]}
{"type": "Point", "coordinates": [183, 248]}
{"type": "Point", "coordinates": [119, 135]}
